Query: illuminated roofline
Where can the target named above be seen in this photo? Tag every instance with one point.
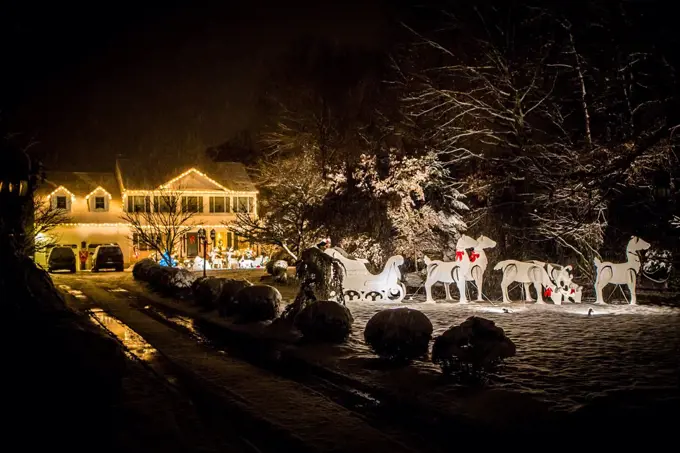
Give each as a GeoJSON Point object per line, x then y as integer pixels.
{"type": "Point", "coordinates": [122, 224]}
{"type": "Point", "coordinates": [73, 197]}
{"type": "Point", "coordinates": [95, 190]}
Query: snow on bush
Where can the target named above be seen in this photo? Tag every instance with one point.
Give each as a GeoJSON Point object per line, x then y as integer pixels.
{"type": "Point", "coordinates": [207, 291]}
{"type": "Point", "coordinates": [182, 279]}
{"type": "Point", "coordinates": [142, 268]}
{"type": "Point", "coordinates": [225, 302]}
{"type": "Point", "coordinates": [658, 264]}
{"type": "Point", "coordinates": [473, 347]}
{"type": "Point", "coordinates": [399, 334]}
{"type": "Point", "coordinates": [256, 303]}
{"type": "Point", "coordinates": [325, 321]}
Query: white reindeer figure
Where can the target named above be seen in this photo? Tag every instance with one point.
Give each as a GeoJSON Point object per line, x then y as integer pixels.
{"type": "Point", "coordinates": [620, 273]}
{"type": "Point", "coordinates": [478, 263]}
{"type": "Point", "coordinates": [532, 272]}
{"type": "Point", "coordinates": [448, 272]}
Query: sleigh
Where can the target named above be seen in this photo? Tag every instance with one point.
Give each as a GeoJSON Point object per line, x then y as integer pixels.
{"type": "Point", "coordinates": [359, 284]}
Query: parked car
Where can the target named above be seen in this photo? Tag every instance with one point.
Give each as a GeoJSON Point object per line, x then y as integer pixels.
{"type": "Point", "coordinates": [61, 258]}
{"type": "Point", "coordinates": [107, 257]}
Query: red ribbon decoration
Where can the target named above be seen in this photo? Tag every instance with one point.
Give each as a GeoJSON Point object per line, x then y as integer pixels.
{"type": "Point", "coordinates": [547, 292]}
{"type": "Point", "coordinates": [459, 255]}
{"type": "Point", "coordinates": [473, 256]}
{"type": "Point", "coordinates": [572, 291]}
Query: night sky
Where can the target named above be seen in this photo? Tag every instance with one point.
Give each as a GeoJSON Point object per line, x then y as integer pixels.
{"type": "Point", "coordinates": [115, 79]}
{"type": "Point", "coordinates": [87, 84]}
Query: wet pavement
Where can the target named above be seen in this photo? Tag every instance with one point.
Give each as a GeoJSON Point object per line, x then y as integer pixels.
{"type": "Point", "coordinates": [302, 419]}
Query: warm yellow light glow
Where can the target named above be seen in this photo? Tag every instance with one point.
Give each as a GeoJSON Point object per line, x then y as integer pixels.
{"type": "Point", "coordinates": [121, 224]}
{"type": "Point", "coordinates": [73, 197]}
{"type": "Point", "coordinates": [95, 190]}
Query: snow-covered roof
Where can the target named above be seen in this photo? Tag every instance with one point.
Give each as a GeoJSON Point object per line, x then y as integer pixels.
{"type": "Point", "coordinates": [79, 183]}
{"type": "Point", "coordinates": [230, 175]}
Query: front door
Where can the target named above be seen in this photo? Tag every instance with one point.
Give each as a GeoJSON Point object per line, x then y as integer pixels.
{"type": "Point", "coordinates": [192, 244]}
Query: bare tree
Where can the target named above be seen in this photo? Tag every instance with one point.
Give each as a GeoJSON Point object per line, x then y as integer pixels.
{"type": "Point", "coordinates": [291, 187]}
{"type": "Point", "coordinates": [161, 222]}
{"type": "Point", "coordinates": [39, 237]}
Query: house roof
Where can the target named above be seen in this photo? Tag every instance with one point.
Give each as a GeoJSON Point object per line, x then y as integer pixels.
{"type": "Point", "coordinates": [80, 183]}
{"type": "Point", "coordinates": [232, 175]}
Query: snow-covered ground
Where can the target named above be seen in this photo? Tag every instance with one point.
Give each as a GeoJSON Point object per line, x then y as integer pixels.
{"type": "Point", "coordinates": [564, 356]}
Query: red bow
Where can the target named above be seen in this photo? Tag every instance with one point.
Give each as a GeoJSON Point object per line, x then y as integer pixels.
{"type": "Point", "coordinates": [473, 256]}
{"type": "Point", "coordinates": [572, 291]}
{"type": "Point", "coordinates": [547, 292]}
{"type": "Point", "coordinates": [459, 255]}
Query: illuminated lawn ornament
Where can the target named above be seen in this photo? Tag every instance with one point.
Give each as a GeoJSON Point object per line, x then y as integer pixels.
{"type": "Point", "coordinates": [478, 263]}
{"type": "Point", "coordinates": [360, 284]}
{"type": "Point", "coordinates": [548, 280]}
{"type": "Point", "coordinates": [620, 273]}
{"type": "Point", "coordinates": [448, 272]}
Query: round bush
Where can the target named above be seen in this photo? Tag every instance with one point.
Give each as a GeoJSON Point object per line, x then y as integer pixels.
{"type": "Point", "coordinates": [142, 268]}
{"type": "Point", "coordinates": [257, 303]}
{"type": "Point", "coordinates": [207, 290]}
{"type": "Point", "coordinates": [399, 334]}
{"type": "Point", "coordinates": [475, 346]}
{"type": "Point", "coordinates": [225, 301]}
{"type": "Point", "coordinates": [325, 321]}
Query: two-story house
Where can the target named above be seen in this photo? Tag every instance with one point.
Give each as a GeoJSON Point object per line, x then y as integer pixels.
{"type": "Point", "coordinates": [96, 204]}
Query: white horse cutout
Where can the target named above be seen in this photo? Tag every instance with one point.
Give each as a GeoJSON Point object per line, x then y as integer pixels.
{"type": "Point", "coordinates": [478, 263]}
{"type": "Point", "coordinates": [448, 272]}
{"type": "Point", "coordinates": [620, 273]}
{"type": "Point", "coordinates": [538, 274]}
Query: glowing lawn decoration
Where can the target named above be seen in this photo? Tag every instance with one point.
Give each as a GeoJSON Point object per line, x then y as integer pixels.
{"type": "Point", "coordinates": [448, 272]}
{"type": "Point", "coordinates": [359, 284]}
{"type": "Point", "coordinates": [548, 280]}
{"type": "Point", "coordinates": [478, 263]}
{"type": "Point", "coordinates": [620, 273]}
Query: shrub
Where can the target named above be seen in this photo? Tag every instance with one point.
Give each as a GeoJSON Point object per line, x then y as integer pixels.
{"type": "Point", "coordinates": [473, 348]}
{"type": "Point", "coordinates": [256, 303]}
{"type": "Point", "coordinates": [207, 290]}
{"type": "Point", "coordinates": [325, 321]}
{"type": "Point", "coordinates": [225, 302]}
{"type": "Point", "coordinates": [399, 334]}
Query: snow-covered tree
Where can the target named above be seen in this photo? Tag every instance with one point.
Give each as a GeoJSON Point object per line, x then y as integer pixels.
{"type": "Point", "coordinates": [545, 130]}
{"type": "Point", "coordinates": [403, 183]}
{"type": "Point", "coordinates": [291, 189]}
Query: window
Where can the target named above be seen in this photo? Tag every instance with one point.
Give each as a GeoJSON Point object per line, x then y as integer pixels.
{"type": "Point", "coordinates": [61, 202]}
{"type": "Point", "coordinates": [164, 203]}
{"type": "Point", "coordinates": [192, 204]}
{"type": "Point", "coordinates": [139, 203]}
{"type": "Point", "coordinates": [139, 243]}
{"type": "Point", "coordinates": [99, 204]}
{"type": "Point", "coordinates": [219, 204]}
{"type": "Point", "coordinates": [243, 204]}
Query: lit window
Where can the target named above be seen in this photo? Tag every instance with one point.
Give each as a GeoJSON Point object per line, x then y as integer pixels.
{"type": "Point", "coordinates": [61, 202]}
{"type": "Point", "coordinates": [243, 204]}
{"type": "Point", "coordinates": [192, 204]}
{"type": "Point", "coordinates": [99, 203]}
{"type": "Point", "coordinates": [219, 204]}
{"type": "Point", "coordinates": [164, 203]}
{"type": "Point", "coordinates": [139, 203]}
